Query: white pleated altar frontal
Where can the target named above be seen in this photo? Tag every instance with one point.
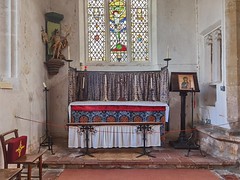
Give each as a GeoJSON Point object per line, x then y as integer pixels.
{"type": "Point", "coordinates": [114, 136]}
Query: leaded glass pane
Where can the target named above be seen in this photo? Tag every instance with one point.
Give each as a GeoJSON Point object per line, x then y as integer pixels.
{"type": "Point", "coordinates": [118, 30]}
{"type": "Point", "coordinates": [96, 30]}
{"type": "Point", "coordinates": [139, 30]}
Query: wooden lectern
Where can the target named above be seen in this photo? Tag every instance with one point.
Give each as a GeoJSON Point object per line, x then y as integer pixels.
{"type": "Point", "coordinates": [184, 83]}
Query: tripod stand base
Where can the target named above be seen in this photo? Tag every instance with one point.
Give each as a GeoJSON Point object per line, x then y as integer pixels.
{"type": "Point", "coordinates": [87, 153]}
{"type": "Point", "coordinates": [145, 153]}
{"type": "Point", "coordinates": [181, 143]}
{"type": "Point", "coordinates": [194, 147]}
{"type": "Point", "coordinates": [47, 142]}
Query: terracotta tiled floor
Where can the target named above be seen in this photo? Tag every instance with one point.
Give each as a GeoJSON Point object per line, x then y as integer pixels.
{"type": "Point", "coordinates": [138, 174]}
{"type": "Point", "coordinates": [165, 157]}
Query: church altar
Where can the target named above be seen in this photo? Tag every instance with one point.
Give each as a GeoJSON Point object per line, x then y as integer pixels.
{"type": "Point", "coordinates": [116, 123]}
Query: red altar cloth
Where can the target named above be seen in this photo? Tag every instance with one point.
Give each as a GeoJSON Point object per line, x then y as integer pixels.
{"type": "Point", "coordinates": [117, 108]}
{"type": "Point", "coordinates": [117, 111]}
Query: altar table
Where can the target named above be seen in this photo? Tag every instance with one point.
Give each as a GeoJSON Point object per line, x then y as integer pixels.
{"type": "Point", "coordinates": [118, 134]}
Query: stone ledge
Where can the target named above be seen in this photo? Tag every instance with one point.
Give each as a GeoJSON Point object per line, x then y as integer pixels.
{"type": "Point", "coordinates": [219, 133]}
{"type": "Point", "coordinates": [219, 143]}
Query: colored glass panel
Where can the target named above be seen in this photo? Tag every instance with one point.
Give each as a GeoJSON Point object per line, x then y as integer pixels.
{"type": "Point", "coordinates": [96, 30]}
{"type": "Point", "coordinates": [139, 30]}
{"type": "Point", "coordinates": [118, 30]}
{"type": "Point", "coordinates": [116, 38]}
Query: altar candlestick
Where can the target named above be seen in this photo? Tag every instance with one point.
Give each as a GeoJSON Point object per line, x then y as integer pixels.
{"type": "Point", "coordinates": [167, 51]}
{"type": "Point", "coordinates": [135, 80]}
{"type": "Point", "coordinates": [44, 85]}
{"type": "Point", "coordinates": [105, 88]}
{"type": "Point", "coordinates": [83, 82]}
{"type": "Point", "coordinates": [69, 57]}
{"type": "Point", "coordinates": [105, 80]}
{"type": "Point", "coordinates": [151, 83]}
{"type": "Point", "coordinates": [81, 66]}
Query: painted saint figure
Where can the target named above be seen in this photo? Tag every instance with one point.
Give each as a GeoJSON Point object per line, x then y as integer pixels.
{"type": "Point", "coordinates": [185, 84]}
{"type": "Point", "coordinates": [58, 43]}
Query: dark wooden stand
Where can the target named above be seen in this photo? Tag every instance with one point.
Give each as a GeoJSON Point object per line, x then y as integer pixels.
{"type": "Point", "coordinates": [181, 143]}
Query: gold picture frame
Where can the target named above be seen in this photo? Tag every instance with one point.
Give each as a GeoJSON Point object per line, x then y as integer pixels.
{"type": "Point", "coordinates": [184, 81]}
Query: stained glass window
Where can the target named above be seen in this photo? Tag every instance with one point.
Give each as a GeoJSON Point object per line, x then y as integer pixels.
{"type": "Point", "coordinates": [118, 30]}
{"type": "Point", "coordinates": [96, 31]}
{"type": "Point", "coordinates": [139, 30]}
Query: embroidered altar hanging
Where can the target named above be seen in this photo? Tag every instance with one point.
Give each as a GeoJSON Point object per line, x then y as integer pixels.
{"type": "Point", "coordinates": [113, 86]}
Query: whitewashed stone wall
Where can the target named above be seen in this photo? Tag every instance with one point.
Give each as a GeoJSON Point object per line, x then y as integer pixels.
{"type": "Point", "coordinates": [26, 98]}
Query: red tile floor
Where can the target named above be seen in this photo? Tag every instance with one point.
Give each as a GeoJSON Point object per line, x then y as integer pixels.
{"type": "Point", "coordinates": [165, 158]}
{"type": "Point", "coordinates": [138, 174]}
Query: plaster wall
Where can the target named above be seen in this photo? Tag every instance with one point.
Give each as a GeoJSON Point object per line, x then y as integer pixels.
{"type": "Point", "coordinates": [26, 99]}
{"type": "Point", "coordinates": [210, 15]}
{"type": "Point", "coordinates": [177, 29]}
{"type": "Point", "coordinates": [209, 12]}
{"type": "Point", "coordinates": [58, 84]}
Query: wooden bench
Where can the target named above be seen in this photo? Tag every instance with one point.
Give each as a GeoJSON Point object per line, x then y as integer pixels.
{"type": "Point", "coordinates": [10, 173]}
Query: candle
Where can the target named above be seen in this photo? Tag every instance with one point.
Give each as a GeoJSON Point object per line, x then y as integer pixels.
{"type": "Point", "coordinates": [151, 83]}
{"type": "Point", "coordinates": [83, 82]}
{"type": "Point", "coordinates": [135, 80]}
{"type": "Point", "coordinates": [81, 66]}
{"type": "Point", "coordinates": [69, 57]}
{"type": "Point", "coordinates": [105, 80]}
{"type": "Point", "coordinates": [167, 51]}
{"type": "Point", "coordinates": [44, 85]}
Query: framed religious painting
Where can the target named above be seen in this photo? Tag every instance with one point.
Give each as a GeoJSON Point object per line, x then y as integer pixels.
{"type": "Point", "coordinates": [184, 81]}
